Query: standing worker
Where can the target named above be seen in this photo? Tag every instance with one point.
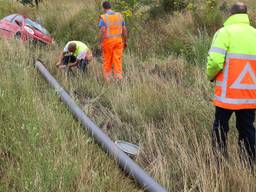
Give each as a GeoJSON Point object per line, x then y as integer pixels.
{"type": "Point", "coordinates": [232, 65]}
{"type": "Point", "coordinates": [75, 54]}
{"type": "Point", "coordinates": [112, 41]}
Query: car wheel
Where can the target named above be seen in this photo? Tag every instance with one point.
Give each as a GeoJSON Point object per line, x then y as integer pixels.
{"type": "Point", "coordinates": [33, 41]}
{"type": "Point", "coordinates": [18, 36]}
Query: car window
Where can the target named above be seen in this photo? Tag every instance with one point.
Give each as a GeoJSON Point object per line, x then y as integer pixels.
{"type": "Point", "coordinates": [36, 26]}
{"type": "Point", "coordinates": [9, 17]}
{"type": "Point", "coordinates": [18, 18]}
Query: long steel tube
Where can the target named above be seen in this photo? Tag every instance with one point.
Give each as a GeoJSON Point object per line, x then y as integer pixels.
{"type": "Point", "coordinates": [124, 161]}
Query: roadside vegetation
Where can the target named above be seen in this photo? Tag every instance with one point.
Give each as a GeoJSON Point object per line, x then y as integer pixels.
{"type": "Point", "coordinates": [163, 104]}
{"type": "Point", "coordinates": [43, 148]}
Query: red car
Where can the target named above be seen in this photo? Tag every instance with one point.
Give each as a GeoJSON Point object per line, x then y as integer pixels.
{"type": "Point", "coordinates": [21, 27]}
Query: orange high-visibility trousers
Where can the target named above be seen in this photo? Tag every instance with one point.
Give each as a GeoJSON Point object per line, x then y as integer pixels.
{"type": "Point", "coordinates": [112, 58]}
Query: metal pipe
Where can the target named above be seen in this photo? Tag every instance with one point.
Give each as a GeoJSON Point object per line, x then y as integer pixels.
{"type": "Point", "coordinates": [124, 161]}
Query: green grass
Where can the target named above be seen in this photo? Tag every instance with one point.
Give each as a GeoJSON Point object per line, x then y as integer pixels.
{"type": "Point", "coordinates": [43, 148]}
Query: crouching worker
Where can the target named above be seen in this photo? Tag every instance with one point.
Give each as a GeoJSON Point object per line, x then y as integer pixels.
{"type": "Point", "coordinates": [75, 54]}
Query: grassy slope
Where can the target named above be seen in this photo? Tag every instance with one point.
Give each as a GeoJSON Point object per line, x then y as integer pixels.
{"type": "Point", "coordinates": [42, 147]}
{"type": "Point", "coordinates": [164, 104]}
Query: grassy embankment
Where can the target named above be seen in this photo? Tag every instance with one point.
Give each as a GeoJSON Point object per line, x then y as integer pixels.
{"type": "Point", "coordinates": [43, 148]}
{"type": "Point", "coordinates": [164, 104]}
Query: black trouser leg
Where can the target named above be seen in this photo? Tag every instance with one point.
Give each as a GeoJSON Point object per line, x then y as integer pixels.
{"type": "Point", "coordinates": [68, 59]}
{"type": "Point", "coordinates": [220, 130]}
{"type": "Point", "coordinates": [83, 65]}
{"type": "Point", "coordinates": [246, 130]}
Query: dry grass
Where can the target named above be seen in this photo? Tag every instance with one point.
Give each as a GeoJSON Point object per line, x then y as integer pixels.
{"type": "Point", "coordinates": [166, 109]}
{"type": "Point", "coordinates": [43, 148]}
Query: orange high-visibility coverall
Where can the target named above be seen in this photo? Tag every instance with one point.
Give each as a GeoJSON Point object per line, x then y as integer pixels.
{"type": "Point", "coordinates": [113, 45]}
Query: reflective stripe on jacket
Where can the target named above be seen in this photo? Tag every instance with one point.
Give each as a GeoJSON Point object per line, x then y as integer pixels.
{"type": "Point", "coordinates": [232, 63]}
{"type": "Point", "coordinates": [113, 24]}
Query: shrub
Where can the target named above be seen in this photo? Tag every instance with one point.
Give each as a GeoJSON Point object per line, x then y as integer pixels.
{"type": "Point", "coordinates": [197, 52]}
{"type": "Point", "coordinates": [173, 5]}
{"type": "Point", "coordinates": [30, 2]}
{"type": "Point", "coordinates": [156, 11]}
{"type": "Point", "coordinates": [208, 17]}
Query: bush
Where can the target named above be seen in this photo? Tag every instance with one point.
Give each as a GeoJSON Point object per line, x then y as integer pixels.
{"type": "Point", "coordinates": [173, 5]}
{"type": "Point", "coordinates": [167, 6]}
{"type": "Point", "coordinates": [30, 2]}
{"type": "Point", "coordinates": [156, 11]}
{"type": "Point", "coordinates": [208, 17]}
{"type": "Point", "coordinates": [131, 7]}
{"type": "Point", "coordinates": [197, 52]}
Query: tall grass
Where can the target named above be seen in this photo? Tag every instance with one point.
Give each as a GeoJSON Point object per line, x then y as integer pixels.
{"type": "Point", "coordinates": [164, 102]}
{"type": "Point", "coordinates": [43, 148]}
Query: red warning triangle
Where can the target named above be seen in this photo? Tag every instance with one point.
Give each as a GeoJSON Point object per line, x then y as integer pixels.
{"type": "Point", "coordinates": [247, 79]}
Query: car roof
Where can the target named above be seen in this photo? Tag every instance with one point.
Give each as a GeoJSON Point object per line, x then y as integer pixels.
{"type": "Point", "coordinates": [17, 14]}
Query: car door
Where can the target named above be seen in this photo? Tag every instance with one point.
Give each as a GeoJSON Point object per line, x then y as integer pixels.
{"type": "Point", "coordinates": [16, 24]}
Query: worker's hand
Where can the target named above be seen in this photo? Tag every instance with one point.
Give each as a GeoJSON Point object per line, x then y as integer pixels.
{"type": "Point", "coordinates": [125, 45]}
{"type": "Point", "coordinates": [63, 66]}
{"type": "Point", "coordinates": [100, 46]}
{"type": "Point", "coordinates": [89, 56]}
{"type": "Point", "coordinates": [58, 64]}
{"type": "Point", "coordinates": [213, 80]}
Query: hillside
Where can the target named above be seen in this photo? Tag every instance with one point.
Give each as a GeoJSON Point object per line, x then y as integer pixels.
{"type": "Point", "coordinates": [43, 148]}
{"type": "Point", "coordinates": [163, 104]}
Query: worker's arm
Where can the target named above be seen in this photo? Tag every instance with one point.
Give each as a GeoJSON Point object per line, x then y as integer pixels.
{"type": "Point", "coordinates": [60, 59]}
{"type": "Point", "coordinates": [125, 35]}
{"type": "Point", "coordinates": [69, 65]}
{"type": "Point", "coordinates": [89, 55]}
{"type": "Point", "coordinates": [217, 53]}
{"type": "Point", "coordinates": [101, 36]}
{"type": "Point", "coordinates": [73, 64]}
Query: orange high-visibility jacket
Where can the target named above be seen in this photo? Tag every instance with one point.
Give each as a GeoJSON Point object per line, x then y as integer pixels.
{"type": "Point", "coordinates": [113, 24]}
{"type": "Point", "coordinates": [235, 85]}
{"type": "Point", "coordinates": [232, 58]}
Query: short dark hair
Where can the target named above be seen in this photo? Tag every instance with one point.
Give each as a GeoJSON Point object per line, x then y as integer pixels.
{"type": "Point", "coordinates": [106, 5]}
{"type": "Point", "coordinates": [71, 47]}
{"type": "Point", "coordinates": [238, 7]}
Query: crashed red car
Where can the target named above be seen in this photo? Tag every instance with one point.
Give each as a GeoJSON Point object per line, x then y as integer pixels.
{"type": "Point", "coordinates": [21, 27]}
